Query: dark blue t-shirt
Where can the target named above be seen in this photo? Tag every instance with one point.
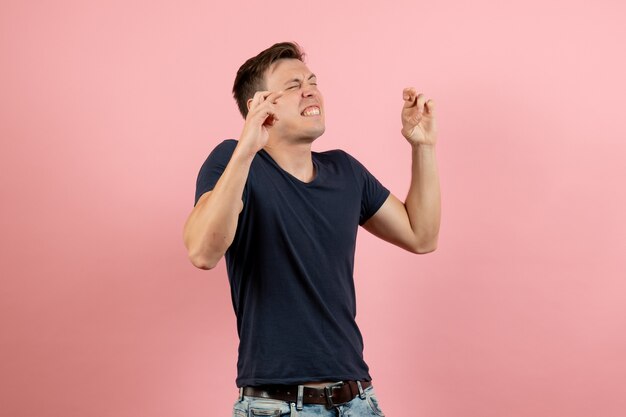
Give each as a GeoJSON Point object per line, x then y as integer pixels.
{"type": "Point", "coordinates": [291, 264]}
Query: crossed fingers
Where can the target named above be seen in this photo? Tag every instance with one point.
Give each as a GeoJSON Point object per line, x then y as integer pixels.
{"type": "Point", "coordinates": [265, 96]}
{"type": "Point", "coordinates": [412, 99]}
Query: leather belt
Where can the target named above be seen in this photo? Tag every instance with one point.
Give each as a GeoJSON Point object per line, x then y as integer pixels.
{"type": "Point", "coordinates": [330, 395]}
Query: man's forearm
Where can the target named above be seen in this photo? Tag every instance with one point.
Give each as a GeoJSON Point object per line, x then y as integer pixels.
{"type": "Point", "coordinates": [211, 228]}
{"type": "Point", "coordinates": [423, 202]}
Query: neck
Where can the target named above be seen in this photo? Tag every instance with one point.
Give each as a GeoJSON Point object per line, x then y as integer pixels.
{"type": "Point", "coordinates": [295, 158]}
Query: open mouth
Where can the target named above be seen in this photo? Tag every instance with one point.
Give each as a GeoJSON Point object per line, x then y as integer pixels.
{"type": "Point", "coordinates": [311, 111]}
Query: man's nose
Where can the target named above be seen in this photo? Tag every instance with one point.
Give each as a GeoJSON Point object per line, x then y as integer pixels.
{"type": "Point", "coordinates": [308, 90]}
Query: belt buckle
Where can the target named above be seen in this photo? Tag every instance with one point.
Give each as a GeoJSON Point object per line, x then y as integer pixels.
{"type": "Point", "coordinates": [328, 390]}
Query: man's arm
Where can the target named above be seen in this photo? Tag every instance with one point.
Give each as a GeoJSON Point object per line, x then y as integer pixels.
{"type": "Point", "coordinates": [210, 228]}
{"type": "Point", "coordinates": [414, 225]}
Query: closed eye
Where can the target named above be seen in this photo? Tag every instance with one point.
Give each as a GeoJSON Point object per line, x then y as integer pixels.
{"type": "Point", "coordinates": [296, 86]}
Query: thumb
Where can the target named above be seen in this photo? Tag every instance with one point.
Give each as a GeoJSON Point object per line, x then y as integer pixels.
{"type": "Point", "coordinates": [430, 106]}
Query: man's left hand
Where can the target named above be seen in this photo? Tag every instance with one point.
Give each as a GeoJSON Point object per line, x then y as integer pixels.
{"type": "Point", "coordinates": [418, 118]}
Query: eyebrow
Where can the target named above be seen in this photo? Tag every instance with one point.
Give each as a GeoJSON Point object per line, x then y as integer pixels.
{"type": "Point", "coordinates": [298, 80]}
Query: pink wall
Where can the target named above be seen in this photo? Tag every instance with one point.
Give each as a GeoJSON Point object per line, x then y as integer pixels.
{"type": "Point", "coordinates": [109, 109]}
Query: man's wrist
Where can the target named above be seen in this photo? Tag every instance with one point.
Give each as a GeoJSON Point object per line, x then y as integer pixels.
{"type": "Point", "coordinates": [422, 147]}
{"type": "Point", "coordinates": [243, 153]}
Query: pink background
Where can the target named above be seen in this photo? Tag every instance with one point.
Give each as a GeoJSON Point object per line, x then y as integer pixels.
{"type": "Point", "coordinates": [109, 108]}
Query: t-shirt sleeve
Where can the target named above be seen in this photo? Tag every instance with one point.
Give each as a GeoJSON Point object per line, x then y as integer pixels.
{"type": "Point", "coordinates": [373, 193]}
{"type": "Point", "coordinates": [213, 167]}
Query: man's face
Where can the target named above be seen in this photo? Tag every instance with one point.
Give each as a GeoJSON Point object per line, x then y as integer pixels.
{"type": "Point", "coordinates": [300, 110]}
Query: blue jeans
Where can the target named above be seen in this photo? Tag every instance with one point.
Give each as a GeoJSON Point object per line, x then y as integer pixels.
{"type": "Point", "coordinates": [358, 407]}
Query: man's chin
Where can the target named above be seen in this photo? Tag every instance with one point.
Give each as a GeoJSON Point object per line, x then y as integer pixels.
{"type": "Point", "coordinates": [303, 135]}
{"type": "Point", "coordinates": [319, 132]}
{"type": "Point", "coordinates": [312, 134]}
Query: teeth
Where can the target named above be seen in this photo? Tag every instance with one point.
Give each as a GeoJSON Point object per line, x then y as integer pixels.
{"type": "Point", "coordinates": [311, 111]}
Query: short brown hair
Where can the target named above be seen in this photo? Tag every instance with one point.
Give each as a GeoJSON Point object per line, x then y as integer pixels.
{"type": "Point", "coordinates": [250, 77]}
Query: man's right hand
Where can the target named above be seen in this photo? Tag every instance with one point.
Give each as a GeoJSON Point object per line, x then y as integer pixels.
{"type": "Point", "coordinates": [261, 115]}
{"type": "Point", "coordinates": [212, 224]}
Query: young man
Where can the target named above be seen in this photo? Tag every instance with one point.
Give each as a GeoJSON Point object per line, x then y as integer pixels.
{"type": "Point", "coordinates": [286, 219]}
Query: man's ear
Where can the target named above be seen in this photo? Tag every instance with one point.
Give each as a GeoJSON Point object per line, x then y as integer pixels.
{"type": "Point", "coordinates": [248, 103]}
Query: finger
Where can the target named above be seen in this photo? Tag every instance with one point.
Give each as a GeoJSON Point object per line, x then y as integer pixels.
{"type": "Point", "coordinates": [270, 120]}
{"type": "Point", "coordinates": [272, 112]}
{"type": "Point", "coordinates": [274, 96]}
{"type": "Point", "coordinates": [267, 109]}
{"type": "Point", "coordinates": [421, 99]}
{"type": "Point", "coordinates": [409, 94]}
{"type": "Point", "coordinates": [256, 99]}
{"type": "Point", "coordinates": [267, 106]}
{"type": "Point", "coordinates": [430, 106]}
{"type": "Point", "coordinates": [405, 94]}
{"type": "Point", "coordinates": [263, 96]}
